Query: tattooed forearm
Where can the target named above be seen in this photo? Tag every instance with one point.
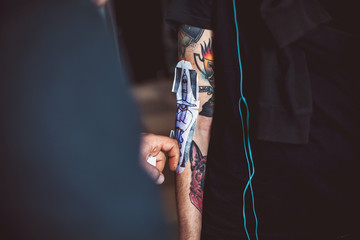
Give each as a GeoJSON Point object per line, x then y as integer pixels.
{"type": "Point", "coordinates": [198, 165]}
{"type": "Point", "coordinates": [205, 64]}
{"type": "Point", "coordinates": [187, 36]}
{"type": "Point", "coordinates": [209, 90]}
{"type": "Point", "coordinates": [207, 109]}
{"type": "Point", "coordinates": [207, 60]}
{"type": "Point", "coordinates": [195, 47]}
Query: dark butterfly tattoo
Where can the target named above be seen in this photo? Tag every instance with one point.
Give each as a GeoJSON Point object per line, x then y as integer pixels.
{"type": "Point", "coordinates": [198, 166]}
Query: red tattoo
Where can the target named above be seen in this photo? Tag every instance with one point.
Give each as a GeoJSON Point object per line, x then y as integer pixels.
{"type": "Point", "coordinates": [198, 166]}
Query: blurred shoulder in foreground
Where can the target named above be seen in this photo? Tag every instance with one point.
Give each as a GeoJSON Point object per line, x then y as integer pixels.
{"type": "Point", "coordinates": [69, 131]}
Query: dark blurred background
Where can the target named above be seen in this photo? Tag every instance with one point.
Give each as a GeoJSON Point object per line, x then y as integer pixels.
{"type": "Point", "coordinates": [150, 42]}
{"type": "Point", "coordinates": [150, 45]}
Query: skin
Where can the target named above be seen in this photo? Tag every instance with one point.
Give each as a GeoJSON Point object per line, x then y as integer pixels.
{"type": "Point", "coordinates": [189, 208]}
{"type": "Point", "coordinates": [158, 146]}
{"type": "Point", "coordinates": [100, 3]}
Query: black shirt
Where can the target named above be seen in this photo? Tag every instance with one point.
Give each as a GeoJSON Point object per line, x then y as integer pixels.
{"type": "Point", "coordinates": [301, 84]}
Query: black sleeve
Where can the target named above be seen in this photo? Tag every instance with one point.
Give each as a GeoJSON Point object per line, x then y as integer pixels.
{"type": "Point", "coordinates": [196, 13]}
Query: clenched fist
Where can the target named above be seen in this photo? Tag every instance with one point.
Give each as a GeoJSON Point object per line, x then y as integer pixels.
{"type": "Point", "coordinates": [156, 146]}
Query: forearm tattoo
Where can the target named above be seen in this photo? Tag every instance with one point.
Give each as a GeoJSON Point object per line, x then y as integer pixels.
{"type": "Point", "coordinates": [207, 89]}
{"type": "Point", "coordinates": [198, 167]}
{"type": "Point", "coordinates": [187, 36]}
{"type": "Point", "coordinates": [204, 62]}
{"type": "Point", "coordinates": [206, 59]}
{"type": "Point", "coordinates": [186, 88]}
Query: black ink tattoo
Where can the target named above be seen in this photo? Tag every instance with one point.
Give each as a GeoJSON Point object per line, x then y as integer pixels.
{"type": "Point", "coordinates": [187, 36]}
{"type": "Point", "coordinates": [198, 167]}
{"type": "Point", "coordinates": [207, 109]}
{"type": "Point", "coordinates": [209, 90]}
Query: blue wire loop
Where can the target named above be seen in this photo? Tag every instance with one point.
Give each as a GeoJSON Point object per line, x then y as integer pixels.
{"type": "Point", "coordinates": [246, 137]}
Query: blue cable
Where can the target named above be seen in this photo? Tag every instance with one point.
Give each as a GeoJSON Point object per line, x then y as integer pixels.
{"type": "Point", "coordinates": [246, 140]}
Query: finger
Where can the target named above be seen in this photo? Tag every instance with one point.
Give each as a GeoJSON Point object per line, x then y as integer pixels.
{"type": "Point", "coordinates": [160, 161]}
{"type": "Point", "coordinates": [170, 146]}
{"type": "Point", "coordinates": [156, 149]}
{"type": "Point", "coordinates": [145, 146]}
{"type": "Point", "coordinates": [160, 179]}
{"type": "Point", "coordinates": [153, 144]}
{"type": "Point", "coordinates": [153, 172]}
{"type": "Point", "coordinates": [173, 161]}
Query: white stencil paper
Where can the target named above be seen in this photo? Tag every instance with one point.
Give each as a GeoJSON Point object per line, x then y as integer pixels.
{"type": "Point", "coordinates": [152, 160]}
{"type": "Point", "coordinates": [186, 87]}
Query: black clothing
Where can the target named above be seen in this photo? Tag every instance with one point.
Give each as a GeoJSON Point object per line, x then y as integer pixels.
{"type": "Point", "coordinates": [285, 102]}
{"type": "Point", "coordinates": [302, 84]}
{"type": "Point", "coordinates": [69, 130]}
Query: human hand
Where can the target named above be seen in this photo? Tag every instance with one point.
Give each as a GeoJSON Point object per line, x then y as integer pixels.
{"type": "Point", "coordinates": [157, 146]}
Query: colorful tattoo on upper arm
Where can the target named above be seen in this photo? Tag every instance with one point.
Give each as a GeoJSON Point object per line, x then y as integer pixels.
{"type": "Point", "coordinates": [198, 167]}
{"type": "Point", "coordinates": [187, 36]}
{"type": "Point", "coordinates": [207, 59]}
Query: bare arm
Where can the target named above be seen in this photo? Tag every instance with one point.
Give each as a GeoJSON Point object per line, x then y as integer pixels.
{"type": "Point", "coordinates": [195, 46]}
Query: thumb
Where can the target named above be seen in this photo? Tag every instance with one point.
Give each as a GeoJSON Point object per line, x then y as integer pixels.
{"type": "Point", "coordinates": [154, 173]}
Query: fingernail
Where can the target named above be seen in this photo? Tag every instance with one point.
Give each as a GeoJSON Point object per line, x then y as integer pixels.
{"type": "Point", "coordinates": [160, 180]}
